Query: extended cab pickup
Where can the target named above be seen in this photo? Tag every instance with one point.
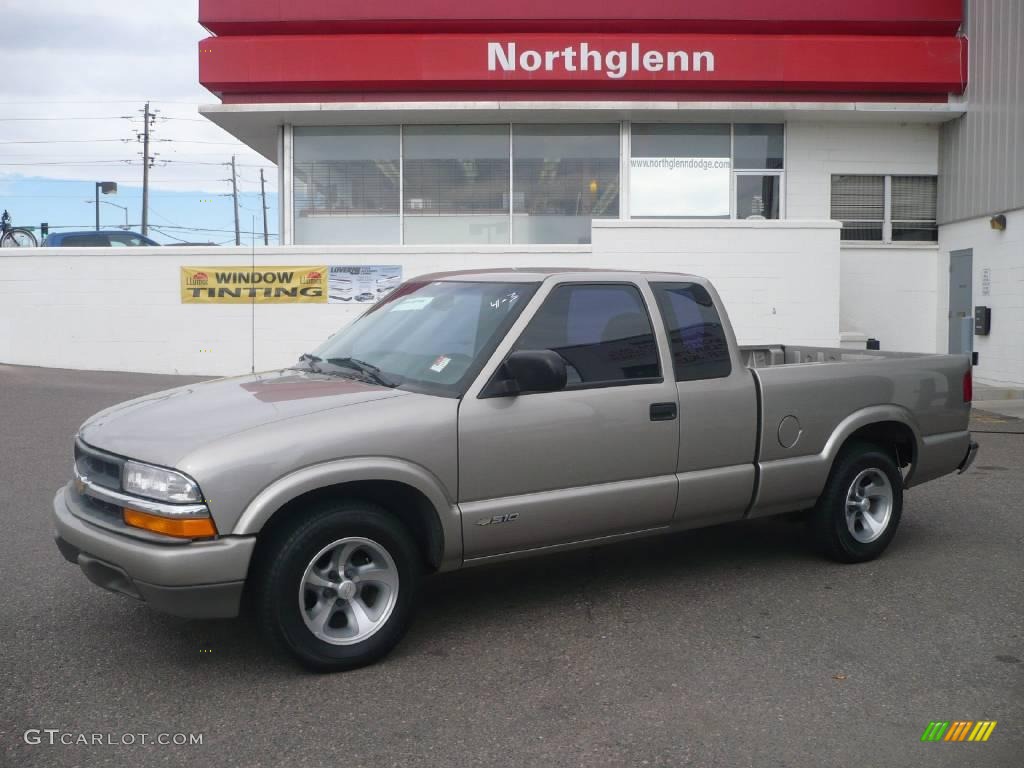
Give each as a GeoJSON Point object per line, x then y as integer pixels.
{"type": "Point", "coordinates": [475, 416]}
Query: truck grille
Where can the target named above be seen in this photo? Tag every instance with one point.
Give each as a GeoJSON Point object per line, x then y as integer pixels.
{"type": "Point", "coordinates": [100, 468]}
{"type": "Point", "coordinates": [111, 514]}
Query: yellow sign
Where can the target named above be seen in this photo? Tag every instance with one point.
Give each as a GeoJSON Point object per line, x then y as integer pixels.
{"type": "Point", "coordinates": [262, 285]}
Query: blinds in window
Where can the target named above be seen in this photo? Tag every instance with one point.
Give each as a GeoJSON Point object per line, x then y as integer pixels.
{"type": "Point", "coordinates": [913, 208]}
{"type": "Point", "coordinates": [913, 198]}
{"type": "Point", "coordinates": [859, 203]}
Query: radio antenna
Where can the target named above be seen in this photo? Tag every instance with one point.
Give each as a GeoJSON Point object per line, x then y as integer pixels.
{"type": "Point", "coordinates": [252, 274]}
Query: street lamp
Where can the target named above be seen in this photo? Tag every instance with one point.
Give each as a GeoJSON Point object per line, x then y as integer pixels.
{"type": "Point", "coordinates": [107, 188]}
{"type": "Point", "coordinates": [122, 207]}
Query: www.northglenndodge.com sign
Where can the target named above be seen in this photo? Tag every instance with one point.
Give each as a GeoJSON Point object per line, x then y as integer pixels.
{"type": "Point", "coordinates": [616, 64]}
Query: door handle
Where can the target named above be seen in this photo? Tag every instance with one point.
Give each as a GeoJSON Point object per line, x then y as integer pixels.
{"type": "Point", "coordinates": [663, 411]}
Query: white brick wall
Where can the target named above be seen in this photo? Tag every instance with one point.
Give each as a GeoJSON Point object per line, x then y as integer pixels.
{"type": "Point", "coordinates": [786, 281]}
{"type": "Point", "coordinates": [890, 292]}
{"type": "Point", "coordinates": [1000, 354]}
{"type": "Point", "coordinates": [121, 310]}
{"type": "Point", "coordinates": [816, 150]}
{"type": "Point", "coordinates": [778, 279]}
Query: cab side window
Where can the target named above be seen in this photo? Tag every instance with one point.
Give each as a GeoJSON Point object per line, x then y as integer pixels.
{"type": "Point", "coordinates": [602, 331]}
{"type": "Point", "coordinates": [700, 349]}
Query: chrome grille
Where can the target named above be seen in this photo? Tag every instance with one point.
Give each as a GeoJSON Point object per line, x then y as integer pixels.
{"type": "Point", "coordinates": [100, 468]}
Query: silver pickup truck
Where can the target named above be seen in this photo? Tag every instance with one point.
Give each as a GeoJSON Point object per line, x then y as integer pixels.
{"type": "Point", "coordinates": [476, 416]}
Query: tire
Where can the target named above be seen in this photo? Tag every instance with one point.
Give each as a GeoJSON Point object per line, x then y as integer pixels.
{"type": "Point", "coordinates": [14, 238]}
{"type": "Point", "coordinates": [859, 511]}
{"type": "Point", "coordinates": [356, 570]}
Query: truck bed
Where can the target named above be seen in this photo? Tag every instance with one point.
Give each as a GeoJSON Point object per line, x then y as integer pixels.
{"type": "Point", "coordinates": [809, 395]}
{"type": "Point", "coordinates": [772, 355]}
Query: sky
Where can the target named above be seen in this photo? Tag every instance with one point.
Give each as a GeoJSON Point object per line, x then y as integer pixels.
{"type": "Point", "coordinates": [76, 76]}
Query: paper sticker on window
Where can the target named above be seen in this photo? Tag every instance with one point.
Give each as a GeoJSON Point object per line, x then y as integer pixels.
{"type": "Point", "coordinates": [412, 304]}
{"type": "Point", "coordinates": [440, 364]}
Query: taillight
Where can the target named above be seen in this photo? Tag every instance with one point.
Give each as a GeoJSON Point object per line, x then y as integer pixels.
{"type": "Point", "coordinates": [968, 387]}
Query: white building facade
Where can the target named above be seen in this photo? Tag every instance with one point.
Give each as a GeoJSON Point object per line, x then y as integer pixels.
{"type": "Point", "coordinates": [793, 160]}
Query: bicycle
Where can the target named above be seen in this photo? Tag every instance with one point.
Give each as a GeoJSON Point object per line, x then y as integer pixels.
{"type": "Point", "coordinates": [16, 237]}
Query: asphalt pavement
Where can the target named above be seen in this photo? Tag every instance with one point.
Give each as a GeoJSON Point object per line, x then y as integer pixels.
{"type": "Point", "coordinates": [733, 646]}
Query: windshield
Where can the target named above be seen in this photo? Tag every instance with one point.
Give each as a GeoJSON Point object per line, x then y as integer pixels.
{"type": "Point", "coordinates": [428, 337]}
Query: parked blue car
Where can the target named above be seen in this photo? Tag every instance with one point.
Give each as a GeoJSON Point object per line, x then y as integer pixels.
{"type": "Point", "coordinates": [117, 238]}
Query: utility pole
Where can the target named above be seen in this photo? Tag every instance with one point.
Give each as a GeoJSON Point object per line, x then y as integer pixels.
{"type": "Point", "coordinates": [148, 118]}
{"type": "Point", "coordinates": [234, 194]}
{"type": "Point", "coordinates": [263, 194]}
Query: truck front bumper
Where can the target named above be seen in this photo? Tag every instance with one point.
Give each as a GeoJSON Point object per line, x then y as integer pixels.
{"type": "Point", "coordinates": [202, 579]}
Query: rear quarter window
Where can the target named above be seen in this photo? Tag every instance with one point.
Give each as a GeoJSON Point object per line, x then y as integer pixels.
{"type": "Point", "coordinates": [700, 349]}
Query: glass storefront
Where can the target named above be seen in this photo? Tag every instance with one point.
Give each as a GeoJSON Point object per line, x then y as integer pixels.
{"type": "Point", "coordinates": [525, 184]}
{"type": "Point", "coordinates": [455, 187]}
{"type": "Point", "coordinates": [346, 185]}
{"type": "Point", "coordinates": [563, 177]}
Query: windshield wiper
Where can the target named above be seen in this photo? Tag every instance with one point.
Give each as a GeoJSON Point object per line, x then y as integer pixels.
{"type": "Point", "coordinates": [306, 357]}
{"type": "Point", "coordinates": [370, 371]}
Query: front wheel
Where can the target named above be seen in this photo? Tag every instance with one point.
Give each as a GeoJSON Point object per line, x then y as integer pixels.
{"type": "Point", "coordinates": [859, 511]}
{"type": "Point", "coordinates": [338, 591]}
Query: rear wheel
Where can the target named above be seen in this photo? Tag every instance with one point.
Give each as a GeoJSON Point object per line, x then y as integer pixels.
{"type": "Point", "coordinates": [18, 238]}
{"type": "Point", "coordinates": [338, 591]}
{"type": "Point", "coordinates": [859, 511]}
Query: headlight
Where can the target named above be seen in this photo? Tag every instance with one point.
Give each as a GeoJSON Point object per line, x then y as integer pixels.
{"type": "Point", "coordinates": [158, 483]}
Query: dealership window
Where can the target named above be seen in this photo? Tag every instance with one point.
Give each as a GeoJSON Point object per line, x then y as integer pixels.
{"type": "Point", "coordinates": [564, 176]}
{"type": "Point", "coordinates": [540, 184]}
{"type": "Point", "coordinates": [346, 182]}
{"type": "Point", "coordinates": [706, 170]}
{"type": "Point", "coordinates": [455, 184]}
{"type": "Point", "coordinates": [877, 208]}
{"type": "Point", "coordinates": [914, 206]}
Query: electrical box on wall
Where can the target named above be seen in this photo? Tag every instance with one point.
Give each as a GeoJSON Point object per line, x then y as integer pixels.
{"type": "Point", "coordinates": [982, 320]}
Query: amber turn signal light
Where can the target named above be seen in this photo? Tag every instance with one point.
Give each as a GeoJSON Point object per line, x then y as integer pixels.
{"type": "Point", "coordinates": [181, 528]}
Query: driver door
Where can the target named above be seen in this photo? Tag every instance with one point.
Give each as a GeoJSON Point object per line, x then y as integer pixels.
{"type": "Point", "coordinates": [597, 458]}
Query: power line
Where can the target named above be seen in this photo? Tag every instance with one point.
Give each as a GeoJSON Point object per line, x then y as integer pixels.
{"type": "Point", "coordinates": [165, 234]}
{"type": "Point", "coordinates": [67, 119]}
{"type": "Point", "coordinates": [197, 141]}
{"type": "Point", "coordinates": [120, 180]}
{"type": "Point", "coordinates": [191, 102]}
{"type": "Point", "coordinates": [82, 162]}
{"type": "Point", "coordinates": [263, 206]}
{"type": "Point", "coordinates": [169, 222]}
{"type": "Point", "coordinates": [64, 141]}
{"type": "Point", "coordinates": [133, 162]}
{"type": "Point", "coordinates": [162, 226]}
{"type": "Point", "coordinates": [234, 194]}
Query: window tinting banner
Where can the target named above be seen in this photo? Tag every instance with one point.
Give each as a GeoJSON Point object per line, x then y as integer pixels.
{"type": "Point", "coordinates": [362, 283]}
{"type": "Point", "coordinates": [260, 285]}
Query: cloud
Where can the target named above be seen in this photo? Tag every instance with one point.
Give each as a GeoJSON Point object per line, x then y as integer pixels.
{"type": "Point", "coordinates": [88, 66]}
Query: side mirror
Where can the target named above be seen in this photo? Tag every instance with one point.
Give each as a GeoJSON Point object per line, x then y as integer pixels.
{"type": "Point", "coordinates": [533, 370]}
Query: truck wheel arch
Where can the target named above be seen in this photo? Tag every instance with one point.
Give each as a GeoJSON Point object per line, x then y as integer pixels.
{"type": "Point", "coordinates": [887, 426]}
{"type": "Point", "coordinates": [410, 492]}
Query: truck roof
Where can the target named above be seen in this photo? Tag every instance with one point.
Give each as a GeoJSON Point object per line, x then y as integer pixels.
{"type": "Point", "coordinates": [539, 274]}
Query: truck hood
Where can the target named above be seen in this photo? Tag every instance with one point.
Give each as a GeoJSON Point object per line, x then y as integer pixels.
{"type": "Point", "coordinates": [163, 427]}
